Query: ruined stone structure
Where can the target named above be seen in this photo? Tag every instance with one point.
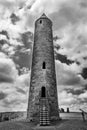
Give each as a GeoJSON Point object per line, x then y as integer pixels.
{"type": "Point", "coordinates": [43, 102]}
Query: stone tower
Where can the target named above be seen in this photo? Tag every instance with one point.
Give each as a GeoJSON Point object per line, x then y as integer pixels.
{"type": "Point", "coordinates": [43, 101]}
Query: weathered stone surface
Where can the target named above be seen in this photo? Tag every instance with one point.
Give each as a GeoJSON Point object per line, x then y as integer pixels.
{"type": "Point", "coordinates": [43, 52]}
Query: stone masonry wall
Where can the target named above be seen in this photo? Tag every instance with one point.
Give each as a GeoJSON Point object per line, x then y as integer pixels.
{"type": "Point", "coordinates": [43, 52]}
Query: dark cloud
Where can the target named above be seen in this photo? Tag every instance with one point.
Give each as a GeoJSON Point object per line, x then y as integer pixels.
{"type": "Point", "coordinates": [83, 4]}
{"type": "Point", "coordinates": [8, 71]}
{"type": "Point", "coordinates": [2, 42]}
{"type": "Point", "coordinates": [55, 38]}
{"type": "Point", "coordinates": [72, 81]}
{"type": "Point", "coordinates": [56, 47]}
{"type": "Point", "coordinates": [74, 92]}
{"type": "Point", "coordinates": [78, 63]}
{"type": "Point", "coordinates": [85, 87]}
{"type": "Point", "coordinates": [85, 57]}
{"type": "Point", "coordinates": [22, 57]}
{"type": "Point", "coordinates": [2, 95]}
{"type": "Point", "coordinates": [84, 73]}
{"type": "Point", "coordinates": [5, 68]}
{"type": "Point", "coordinates": [27, 39]}
{"type": "Point", "coordinates": [21, 90]}
{"type": "Point", "coordinates": [5, 78]}
{"type": "Point", "coordinates": [66, 77]}
{"type": "Point", "coordinates": [14, 18]}
{"type": "Point", "coordinates": [63, 59]}
{"type": "Point", "coordinates": [4, 32]}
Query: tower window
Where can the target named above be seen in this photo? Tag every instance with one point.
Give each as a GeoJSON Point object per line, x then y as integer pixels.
{"type": "Point", "coordinates": [44, 65]}
{"type": "Point", "coordinates": [40, 21]}
{"type": "Point", "coordinates": [43, 92]}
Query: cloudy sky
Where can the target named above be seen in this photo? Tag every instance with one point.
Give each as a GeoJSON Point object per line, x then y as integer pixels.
{"type": "Point", "coordinates": [17, 19]}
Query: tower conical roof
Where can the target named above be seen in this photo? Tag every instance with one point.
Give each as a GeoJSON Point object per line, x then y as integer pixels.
{"type": "Point", "coordinates": [43, 16]}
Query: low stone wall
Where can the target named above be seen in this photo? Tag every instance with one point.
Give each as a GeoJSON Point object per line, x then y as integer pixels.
{"type": "Point", "coordinates": [6, 116]}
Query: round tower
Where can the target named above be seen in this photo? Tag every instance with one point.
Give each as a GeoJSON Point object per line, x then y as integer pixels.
{"type": "Point", "coordinates": [43, 88]}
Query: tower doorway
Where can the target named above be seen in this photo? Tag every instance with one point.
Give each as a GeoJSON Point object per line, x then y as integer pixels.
{"type": "Point", "coordinates": [44, 65]}
{"type": "Point", "coordinates": [43, 92]}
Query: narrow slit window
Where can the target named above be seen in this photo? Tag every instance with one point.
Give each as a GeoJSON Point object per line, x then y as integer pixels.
{"type": "Point", "coordinates": [43, 92]}
{"type": "Point", "coordinates": [40, 21]}
{"type": "Point", "coordinates": [44, 65]}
